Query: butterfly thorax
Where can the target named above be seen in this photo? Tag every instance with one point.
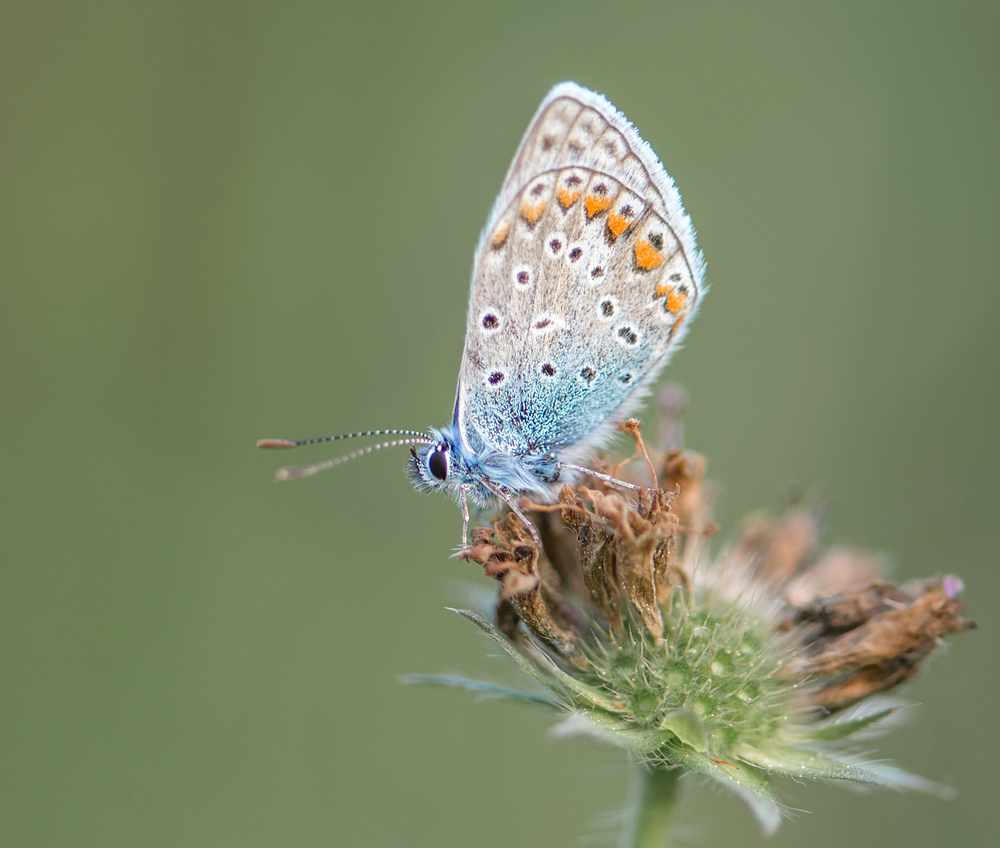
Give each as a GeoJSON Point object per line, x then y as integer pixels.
{"type": "Point", "coordinates": [485, 475]}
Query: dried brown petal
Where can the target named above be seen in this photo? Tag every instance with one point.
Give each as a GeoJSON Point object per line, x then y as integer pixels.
{"type": "Point", "coordinates": [561, 552]}
{"type": "Point", "coordinates": [886, 635]}
{"type": "Point", "coordinates": [871, 679]}
{"type": "Point", "coordinates": [637, 541]}
{"type": "Point", "coordinates": [780, 551]}
{"type": "Point", "coordinates": [595, 555]}
{"type": "Point", "coordinates": [855, 607]}
{"type": "Point", "coordinates": [515, 565]}
{"type": "Point", "coordinates": [683, 473]}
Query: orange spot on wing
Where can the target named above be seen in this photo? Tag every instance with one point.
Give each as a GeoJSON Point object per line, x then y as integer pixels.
{"type": "Point", "coordinates": [617, 224]}
{"type": "Point", "coordinates": [567, 197]}
{"type": "Point", "coordinates": [647, 256]}
{"type": "Point", "coordinates": [676, 300]}
{"type": "Point", "coordinates": [676, 325]}
{"type": "Point", "coordinates": [596, 204]}
{"type": "Point", "coordinates": [500, 236]}
{"type": "Point", "coordinates": [530, 213]}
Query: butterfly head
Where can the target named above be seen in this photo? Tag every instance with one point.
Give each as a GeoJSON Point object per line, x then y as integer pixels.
{"type": "Point", "coordinates": [437, 465]}
{"type": "Point", "coordinates": [446, 463]}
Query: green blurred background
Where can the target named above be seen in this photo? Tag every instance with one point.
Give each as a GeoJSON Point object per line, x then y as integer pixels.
{"type": "Point", "coordinates": [227, 221]}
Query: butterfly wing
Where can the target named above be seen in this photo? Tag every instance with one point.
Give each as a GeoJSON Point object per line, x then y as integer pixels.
{"type": "Point", "coordinates": [584, 281]}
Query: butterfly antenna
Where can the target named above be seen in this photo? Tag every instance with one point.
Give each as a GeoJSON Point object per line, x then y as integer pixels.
{"type": "Point", "coordinates": [286, 443]}
{"type": "Point", "coordinates": [309, 470]}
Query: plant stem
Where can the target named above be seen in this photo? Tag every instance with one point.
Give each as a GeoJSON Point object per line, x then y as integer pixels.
{"type": "Point", "coordinates": [651, 807]}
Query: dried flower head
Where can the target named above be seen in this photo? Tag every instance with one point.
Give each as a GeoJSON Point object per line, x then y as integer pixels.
{"type": "Point", "coordinates": [765, 659]}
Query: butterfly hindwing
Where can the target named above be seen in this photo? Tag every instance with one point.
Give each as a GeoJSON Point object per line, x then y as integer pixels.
{"type": "Point", "coordinates": [583, 282]}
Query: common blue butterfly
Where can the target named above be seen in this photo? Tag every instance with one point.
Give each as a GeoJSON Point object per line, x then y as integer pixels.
{"type": "Point", "coordinates": [584, 281]}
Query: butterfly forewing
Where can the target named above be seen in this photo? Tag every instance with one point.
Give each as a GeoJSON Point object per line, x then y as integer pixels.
{"type": "Point", "coordinates": [583, 282]}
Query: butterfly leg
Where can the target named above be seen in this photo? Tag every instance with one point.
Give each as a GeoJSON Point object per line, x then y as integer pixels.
{"type": "Point", "coordinates": [465, 516]}
{"type": "Point", "coordinates": [508, 498]}
{"type": "Point", "coordinates": [607, 478]}
{"type": "Point", "coordinates": [524, 519]}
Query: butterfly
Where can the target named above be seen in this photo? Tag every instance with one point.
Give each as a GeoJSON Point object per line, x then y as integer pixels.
{"type": "Point", "coordinates": [585, 280]}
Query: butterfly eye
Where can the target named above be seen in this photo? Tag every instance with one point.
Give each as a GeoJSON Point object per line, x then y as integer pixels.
{"type": "Point", "coordinates": [438, 463]}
